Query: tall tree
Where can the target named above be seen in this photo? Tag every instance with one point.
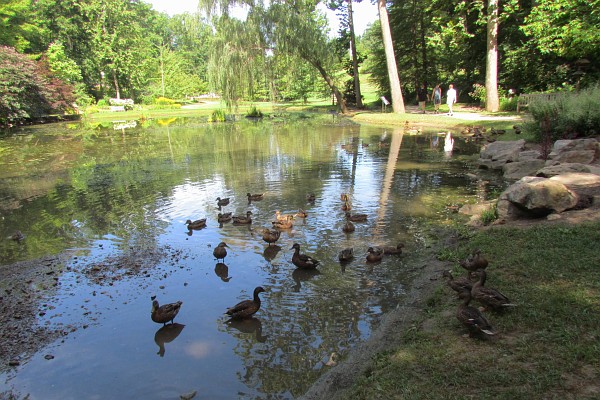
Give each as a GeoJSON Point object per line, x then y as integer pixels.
{"type": "Point", "coordinates": [397, 99]}
{"type": "Point", "coordinates": [492, 102]}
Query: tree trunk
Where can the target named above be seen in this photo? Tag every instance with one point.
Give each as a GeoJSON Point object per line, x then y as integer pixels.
{"type": "Point", "coordinates": [491, 70]}
{"type": "Point", "coordinates": [336, 92]}
{"type": "Point", "coordinates": [117, 90]}
{"type": "Point", "coordinates": [359, 103]}
{"type": "Point", "coordinates": [397, 100]}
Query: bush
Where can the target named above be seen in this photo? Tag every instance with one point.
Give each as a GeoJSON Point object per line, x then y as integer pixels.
{"type": "Point", "coordinates": [479, 94]}
{"type": "Point", "coordinates": [508, 104]}
{"type": "Point", "coordinates": [217, 116]}
{"type": "Point", "coordinates": [569, 116]}
{"type": "Point", "coordinates": [490, 215]}
{"type": "Point", "coordinates": [102, 103]}
{"type": "Point", "coordinates": [163, 101]}
{"type": "Point", "coordinates": [254, 113]}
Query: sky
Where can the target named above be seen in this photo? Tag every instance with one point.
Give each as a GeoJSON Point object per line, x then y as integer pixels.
{"type": "Point", "coordinates": [364, 12]}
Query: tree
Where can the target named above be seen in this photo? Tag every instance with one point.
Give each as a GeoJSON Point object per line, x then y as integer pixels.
{"type": "Point", "coordinates": [397, 100]}
{"type": "Point", "coordinates": [18, 26]}
{"type": "Point", "coordinates": [492, 102]}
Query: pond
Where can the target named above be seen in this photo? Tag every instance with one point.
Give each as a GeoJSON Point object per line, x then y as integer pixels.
{"type": "Point", "coordinates": [115, 199]}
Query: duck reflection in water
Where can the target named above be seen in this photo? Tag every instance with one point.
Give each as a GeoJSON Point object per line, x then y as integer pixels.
{"type": "Point", "coordinates": [248, 325]}
{"type": "Point", "coordinates": [271, 252]}
{"type": "Point", "coordinates": [222, 271]}
{"type": "Point", "coordinates": [167, 334]}
{"type": "Point", "coordinates": [303, 275]}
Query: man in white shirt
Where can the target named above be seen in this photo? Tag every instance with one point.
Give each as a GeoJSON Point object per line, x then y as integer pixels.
{"type": "Point", "coordinates": [450, 98]}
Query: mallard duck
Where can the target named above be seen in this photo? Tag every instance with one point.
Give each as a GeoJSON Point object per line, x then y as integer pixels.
{"type": "Point", "coordinates": [301, 214]}
{"type": "Point", "coordinates": [345, 197]}
{"type": "Point", "coordinates": [346, 206]}
{"type": "Point", "coordinates": [246, 308]}
{"type": "Point", "coordinates": [255, 197]}
{"type": "Point", "coordinates": [346, 254]}
{"type": "Point", "coordinates": [197, 224]}
{"type": "Point", "coordinates": [474, 262]}
{"type": "Point", "coordinates": [374, 254]}
{"type": "Point", "coordinates": [348, 227]}
{"type": "Point", "coordinates": [283, 217]}
{"type": "Point", "coordinates": [226, 217]}
{"type": "Point", "coordinates": [222, 202]}
{"type": "Point", "coordinates": [471, 317]}
{"type": "Point", "coordinates": [489, 297]}
{"type": "Point", "coordinates": [517, 129]}
{"type": "Point", "coordinates": [271, 236]}
{"type": "Point", "coordinates": [302, 260]}
{"type": "Point", "coordinates": [166, 312]}
{"type": "Point", "coordinates": [459, 284]}
{"type": "Point", "coordinates": [17, 236]}
{"type": "Point", "coordinates": [310, 197]}
{"type": "Point", "coordinates": [356, 217]}
{"type": "Point", "coordinates": [220, 252]}
{"type": "Point", "coordinates": [283, 224]}
{"type": "Point", "coordinates": [393, 250]}
{"type": "Point", "coordinates": [240, 219]}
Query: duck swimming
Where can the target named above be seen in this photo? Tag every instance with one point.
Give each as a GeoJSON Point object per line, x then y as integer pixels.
{"type": "Point", "coordinates": [393, 250]}
{"type": "Point", "coordinates": [255, 197]}
{"type": "Point", "coordinates": [241, 220]}
{"type": "Point", "coordinates": [197, 224]}
{"type": "Point", "coordinates": [374, 254]}
{"type": "Point", "coordinates": [348, 227]}
{"type": "Point", "coordinates": [222, 202]}
{"type": "Point", "coordinates": [346, 254]}
{"type": "Point", "coordinates": [226, 217]}
{"type": "Point", "coordinates": [246, 308]}
{"type": "Point", "coordinates": [356, 217]}
{"type": "Point", "coordinates": [165, 313]}
{"type": "Point", "coordinates": [302, 260]}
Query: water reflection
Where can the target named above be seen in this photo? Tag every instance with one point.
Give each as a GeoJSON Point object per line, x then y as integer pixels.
{"type": "Point", "coordinates": [167, 334]}
{"type": "Point", "coordinates": [135, 190]}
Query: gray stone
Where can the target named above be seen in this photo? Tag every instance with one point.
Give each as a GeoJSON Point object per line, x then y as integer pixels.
{"type": "Point", "coordinates": [586, 186]}
{"type": "Point", "coordinates": [529, 155]}
{"type": "Point", "coordinates": [502, 151]}
{"type": "Point", "coordinates": [584, 151]}
{"type": "Point", "coordinates": [518, 170]}
{"type": "Point", "coordinates": [558, 169]}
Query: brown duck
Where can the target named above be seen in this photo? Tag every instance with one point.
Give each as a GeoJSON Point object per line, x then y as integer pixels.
{"type": "Point", "coordinates": [356, 217]}
{"type": "Point", "coordinates": [246, 308]}
{"type": "Point", "coordinates": [310, 197]}
{"type": "Point", "coordinates": [459, 284]}
{"type": "Point", "coordinates": [166, 312]}
{"type": "Point", "coordinates": [393, 250]}
{"type": "Point", "coordinates": [374, 254]}
{"type": "Point", "coordinates": [226, 217]}
{"type": "Point", "coordinates": [255, 197]}
{"type": "Point", "coordinates": [346, 255]}
{"type": "Point", "coordinates": [241, 220]}
{"type": "Point", "coordinates": [222, 202]}
{"type": "Point", "coordinates": [489, 297]}
{"type": "Point", "coordinates": [220, 252]}
{"type": "Point", "coordinates": [283, 224]}
{"type": "Point", "coordinates": [271, 236]}
{"type": "Point", "coordinates": [471, 317]}
{"type": "Point", "coordinates": [301, 214]}
{"type": "Point", "coordinates": [302, 260]}
{"type": "Point", "coordinates": [197, 224]}
{"type": "Point", "coordinates": [348, 227]}
{"type": "Point", "coordinates": [474, 262]}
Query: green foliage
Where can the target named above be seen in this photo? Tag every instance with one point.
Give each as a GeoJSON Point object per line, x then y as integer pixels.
{"type": "Point", "coordinates": [489, 215]}
{"type": "Point", "coordinates": [570, 115]}
{"type": "Point", "coordinates": [217, 116]}
{"type": "Point", "coordinates": [479, 94]}
{"type": "Point", "coordinates": [254, 112]}
{"type": "Point", "coordinates": [163, 101]}
{"type": "Point", "coordinates": [102, 103]}
{"type": "Point", "coordinates": [508, 103]}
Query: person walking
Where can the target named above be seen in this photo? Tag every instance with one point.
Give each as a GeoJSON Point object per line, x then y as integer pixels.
{"type": "Point", "coordinates": [450, 98]}
{"type": "Point", "coordinates": [422, 96]}
{"type": "Point", "coordinates": [437, 98]}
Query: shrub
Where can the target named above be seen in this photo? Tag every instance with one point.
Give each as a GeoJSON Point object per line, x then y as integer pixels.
{"type": "Point", "coordinates": [217, 116]}
{"type": "Point", "coordinates": [508, 103]}
{"type": "Point", "coordinates": [569, 116]}
{"type": "Point", "coordinates": [102, 103]}
{"type": "Point", "coordinates": [254, 113]}
{"type": "Point", "coordinates": [479, 94]}
{"type": "Point", "coordinates": [163, 101]}
{"type": "Point", "coordinates": [490, 215]}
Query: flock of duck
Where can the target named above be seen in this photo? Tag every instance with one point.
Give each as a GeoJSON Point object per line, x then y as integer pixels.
{"type": "Point", "coordinates": [490, 298]}
{"type": "Point", "coordinates": [247, 308]}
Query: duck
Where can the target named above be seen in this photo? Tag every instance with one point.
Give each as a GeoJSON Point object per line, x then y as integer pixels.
{"type": "Point", "coordinates": [474, 262]}
{"type": "Point", "coordinates": [220, 252]}
{"type": "Point", "coordinates": [282, 224]}
{"type": "Point", "coordinates": [271, 236]}
{"type": "Point", "coordinates": [283, 217]}
{"type": "Point", "coordinates": [301, 213]}
{"type": "Point", "coordinates": [471, 317]}
{"type": "Point", "coordinates": [226, 217]}
{"type": "Point", "coordinates": [346, 206]}
{"type": "Point", "coordinates": [222, 202]}
{"type": "Point", "coordinates": [302, 260]}
{"type": "Point", "coordinates": [255, 197]}
{"type": "Point", "coordinates": [165, 313]}
{"type": "Point", "coordinates": [197, 224]}
{"type": "Point", "coordinates": [240, 219]}
{"type": "Point", "coordinates": [457, 284]}
{"type": "Point", "coordinates": [17, 236]}
{"type": "Point", "coordinates": [348, 227]}
{"type": "Point", "coordinates": [246, 308]}
{"type": "Point", "coordinates": [356, 217]}
{"type": "Point", "coordinates": [345, 197]}
{"type": "Point", "coordinates": [517, 129]}
{"type": "Point", "coordinates": [374, 254]}
{"type": "Point", "coordinates": [489, 297]}
{"type": "Point", "coordinates": [310, 197]}
{"type": "Point", "coordinates": [393, 250]}
{"type": "Point", "coordinates": [346, 254]}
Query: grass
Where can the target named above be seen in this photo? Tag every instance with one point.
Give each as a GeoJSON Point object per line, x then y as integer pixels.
{"type": "Point", "coordinates": [548, 347]}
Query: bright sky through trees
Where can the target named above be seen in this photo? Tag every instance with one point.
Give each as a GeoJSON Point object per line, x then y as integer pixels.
{"type": "Point", "coordinates": [364, 12]}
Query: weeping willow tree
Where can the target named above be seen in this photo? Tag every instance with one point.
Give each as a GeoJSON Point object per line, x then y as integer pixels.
{"type": "Point", "coordinates": [241, 48]}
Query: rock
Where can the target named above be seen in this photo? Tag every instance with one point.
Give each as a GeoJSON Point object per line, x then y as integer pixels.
{"type": "Point", "coordinates": [534, 197]}
{"type": "Point", "coordinates": [476, 209]}
{"type": "Point", "coordinates": [585, 186]}
{"type": "Point", "coordinates": [584, 151]}
{"type": "Point", "coordinates": [520, 169]}
{"type": "Point", "coordinates": [558, 169]}
{"type": "Point", "coordinates": [529, 155]}
{"type": "Point", "coordinates": [496, 154]}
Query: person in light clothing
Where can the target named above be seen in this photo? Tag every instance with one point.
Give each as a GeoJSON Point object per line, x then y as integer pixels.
{"type": "Point", "coordinates": [451, 98]}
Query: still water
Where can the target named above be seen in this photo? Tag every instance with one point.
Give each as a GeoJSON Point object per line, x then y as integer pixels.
{"type": "Point", "coordinates": [115, 199]}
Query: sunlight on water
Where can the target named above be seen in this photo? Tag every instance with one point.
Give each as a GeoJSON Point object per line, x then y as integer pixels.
{"type": "Point", "coordinates": [117, 202]}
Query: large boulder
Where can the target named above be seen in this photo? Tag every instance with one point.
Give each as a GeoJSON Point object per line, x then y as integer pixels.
{"type": "Point", "coordinates": [582, 151]}
{"type": "Point", "coordinates": [517, 170]}
{"type": "Point", "coordinates": [552, 169]}
{"type": "Point", "coordinates": [496, 154]}
{"type": "Point", "coordinates": [535, 197]}
{"type": "Point", "coordinates": [585, 186]}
